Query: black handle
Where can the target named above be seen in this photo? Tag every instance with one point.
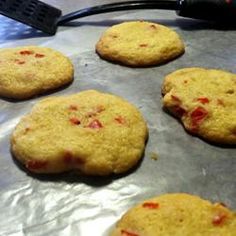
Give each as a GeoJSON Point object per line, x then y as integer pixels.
{"type": "Point", "coordinates": [120, 6]}
{"type": "Point", "coordinates": [213, 10]}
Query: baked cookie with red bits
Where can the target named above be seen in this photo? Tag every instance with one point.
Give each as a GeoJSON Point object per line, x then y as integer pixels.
{"type": "Point", "coordinates": [204, 100]}
{"type": "Point", "coordinates": [31, 70]}
{"type": "Point", "coordinates": [177, 214]}
{"type": "Point", "coordinates": [92, 132]}
{"type": "Point", "coordinates": [139, 44]}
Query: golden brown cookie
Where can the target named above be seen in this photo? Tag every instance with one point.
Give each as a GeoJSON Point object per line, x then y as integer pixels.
{"type": "Point", "coordinates": [178, 215]}
{"type": "Point", "coordinates": [32, 70]}
{"type": "Point", "coordinates": [205, 102]}
{"type": "Point", "coordinates": [93, 132]}
{"type": "Point", "coordinates": [139, 44]}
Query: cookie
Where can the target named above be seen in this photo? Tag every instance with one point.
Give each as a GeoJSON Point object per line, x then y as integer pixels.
{"type": "Point", "coordinates": [139, 44]}
{"type": "Point", "coordinates": [32, 70]}
{"type": "Point", "coordinates": [205, 102]}
{"type": "Point", "coordinates": [93, 132]}
{"type": "Point", "coordinates": [179, 215]}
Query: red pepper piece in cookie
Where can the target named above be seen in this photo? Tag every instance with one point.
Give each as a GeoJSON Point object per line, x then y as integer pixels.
{"type": "Point", "coordinates": [198, 115]}
{"type": "Point", "coordinates": [35, 165]}
{"type": "Point", "coordinates": [120, 119]}
{"type": "Point", "coordinates": [38, 55]}
{"type": "Point", "coordinates": [75, 121]}
{"type": "Point", "coordinates": [151, 205]}
{"type": "Point", "coordinates": [26, 52]}
{"type": "Point", "coordinates": [219, 218]}
{"type": "Point", "coordinates": [203, 100]}
{"type": "Point", "coordinates": [95, 124]}
{"type": "Point", "coordinates": [127, 233]}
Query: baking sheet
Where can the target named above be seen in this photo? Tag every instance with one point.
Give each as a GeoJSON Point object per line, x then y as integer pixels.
{"type": "Point", "coordinates": [74, 205]}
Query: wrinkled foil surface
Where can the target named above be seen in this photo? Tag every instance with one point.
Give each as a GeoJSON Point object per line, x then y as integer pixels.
{"type": "Point", "coordinates": [174, 161]}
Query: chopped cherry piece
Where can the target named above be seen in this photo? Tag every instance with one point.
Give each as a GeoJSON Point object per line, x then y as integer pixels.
{"type": "Point", "coordinates": [34, 165]}
{"type": "Point", "coordinates": [203, 100]}
{"type": "Point", "coordinates": [26, 52]}
{"type": "Point", "coordinates": [198, 115]}
{"type": "Point", "coordinates": [75, 121]}
{"type": "Point", "coordinates": [95, 124]}
{"type": "Point", "coordinates": [127, 233]}
{"type": "Point", "coordinates": [151, 205]}
{"type": "Point", "coordinates": [120, 119]}
{"type": "Point", "coordinates": [219, 219]}
{"type": "Point", "coordinates": [38, 55]}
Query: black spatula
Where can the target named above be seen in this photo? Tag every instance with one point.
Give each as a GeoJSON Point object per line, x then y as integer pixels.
{"type": "Point", "coordinates": [46, 18]}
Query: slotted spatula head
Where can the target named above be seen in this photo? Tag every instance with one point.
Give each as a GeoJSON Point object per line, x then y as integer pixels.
{"type": "Point", "coordinates": [32, 12]}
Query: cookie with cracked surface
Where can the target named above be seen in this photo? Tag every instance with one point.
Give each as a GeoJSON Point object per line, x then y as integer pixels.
{"type": "Point", "coordinates": [205, 102]}
{"type": "Point", "coordinates": [31, 70]}
{"type": "Point", "coordinates": [139, 44]}
{"type": "Point", "coordinates": [177, 214]}
{"type": "Point", "coordinates": [94, 132]}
